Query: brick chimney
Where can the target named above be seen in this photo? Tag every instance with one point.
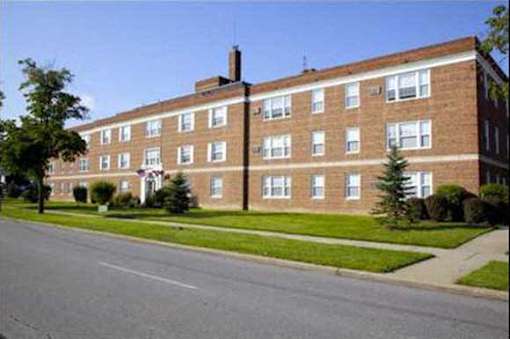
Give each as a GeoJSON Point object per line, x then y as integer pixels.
{"type": "Point", "coordinates": [234, 64]}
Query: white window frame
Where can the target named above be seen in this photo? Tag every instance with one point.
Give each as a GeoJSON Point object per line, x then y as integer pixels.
{"type": "Point", "coordinates": [81, 166]}
{"type": "Point", "coordinates": [210, 146]}
{"type": "Point", "coordinates": [146, 159]}
{"type": "Point", "coordinates": [125, 133]}
{"type": "Point", "coordinates": [87, 138]}
{"type": "Point", "coordinates": [127, 157]}
{"type": "Point", "coordinates": [181, 121]}
{"type": "Point", "coordinates": [267, 150]}
{"type": "Point", "coordinates": [419, 180]}
{"type": "Point", "coordinates": [314, 186]}
{"type": "Point", "coordinates": [356, 87]}
{"type": "Point", "coordinates": [318, 101]}
{"type": "Point", "coordinates": [286, 187]}
{"type": "Point", "coordinates": [419, 134]}
{"type": "Point", "coordinates": [122, 189]}
{"type": "Point", "coordinates": [215, 179]}
{"type": "Point", "coordinates": [222, 110]}
{"type": "Point", "coordinates": [108, 161]}
{"type": "Point", "coordinates": [348, 196]}
{"type": "Point", "coordinates": [418, 85]}
{"type": "Point", "coordinates": [179, 154]}
{"type": "Point", "coordinates": [314, 143]}
{"type": "Point", "coordinates": [269, 107]}
{"type": "Point", "coordinates": [106, 134]}
{"type": "Point", "coordinates": [153, 131]}
{"type": "Point", "coordinates": [51, 167]}
{"type": "Point", "coordinates": [356, 130]}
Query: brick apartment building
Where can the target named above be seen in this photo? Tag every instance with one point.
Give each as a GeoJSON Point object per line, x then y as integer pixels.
{"type": "Point", "coordinates": [315, 141]}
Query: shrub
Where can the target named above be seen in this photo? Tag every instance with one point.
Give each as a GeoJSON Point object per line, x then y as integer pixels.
{"type": "Point", "coordinates": [494, 191]}
{"type": "Point", "coordinates": [475, 211]}
{"type": "Point", "coordinates": [125, 200]}
{"type": "Point", "coordinates": [178, 199]}
{"type": "Point", "coordinates": [13, 191]}
{"type": "Point", "coordinates": [417, 209]}
{"type": "Point", "coordinates": [31, 193]}
{"type": "Point", "coordinates": [437, 207]}
{"type": "Point", "coordinates": [160, 196]}
{"type": "Point", "coordinates": [102, 192]}
{"type": "Point", "coordinates": [80, 194]}
{"type": "Point", "coordinates": [454, 195]}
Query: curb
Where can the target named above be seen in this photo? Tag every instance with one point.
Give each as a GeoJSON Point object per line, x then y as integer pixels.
{"type": "Point", "coordinates": [341, 272]}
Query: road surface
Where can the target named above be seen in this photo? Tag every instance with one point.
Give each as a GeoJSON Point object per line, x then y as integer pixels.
{"type": "Point", "coordinates": [65, 284]}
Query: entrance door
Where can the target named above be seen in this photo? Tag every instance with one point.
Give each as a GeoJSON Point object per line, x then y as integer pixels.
{"type": "Point", "coordinates": [150, 186]}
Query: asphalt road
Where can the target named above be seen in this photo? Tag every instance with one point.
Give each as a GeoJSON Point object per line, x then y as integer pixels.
{"type": "Point", "coordinates": [66, 284]}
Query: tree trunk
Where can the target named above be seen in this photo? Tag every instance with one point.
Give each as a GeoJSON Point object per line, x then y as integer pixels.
{"type": "Point", "coordinates": [40, 188]}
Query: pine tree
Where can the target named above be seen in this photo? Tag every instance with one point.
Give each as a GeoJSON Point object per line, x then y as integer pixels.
{"type": "Point", "coordinates": [393, 184]}
{"type": "Point", "coordinates": [178, 199]}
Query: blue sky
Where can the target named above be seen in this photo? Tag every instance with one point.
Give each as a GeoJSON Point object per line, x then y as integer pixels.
{"type": "Point", "coordinates": [125, 54]}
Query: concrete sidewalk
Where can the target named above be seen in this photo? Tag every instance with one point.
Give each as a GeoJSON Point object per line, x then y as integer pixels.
{"type": "Point", "coordinates": [440, 272]}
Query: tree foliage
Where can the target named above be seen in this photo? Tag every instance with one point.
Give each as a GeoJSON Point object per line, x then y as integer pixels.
{"type": "Point", "coordinates": [178, 195]}
{"type": "Point", "coordinates": [393, 185]}
{"type": "Point", "coordinates": [28, 147]}
{"type": "Point", "coordinates": [497, 39]}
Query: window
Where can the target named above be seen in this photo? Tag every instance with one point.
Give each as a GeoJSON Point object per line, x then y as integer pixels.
{"type": "Point", "coordinates": [124, 160]}
{"type": "Point", "coordinates": [486, 135]}
{"type": "Point", "coordinates": [318, 143]}
{"type": "Point", "coordinates": [152, 157]}
{"type": "Point", "coordinates": [408, 86]}
{"type": "Point", "coordinates": [125, 133]}
{"type": "Point", "coordinates": [153, 128]}
{"type": "Point", "coordinates": [185, 155]}
{"type": "Point", "coordinates": [352, 140]}
{"type": "Point", "coordinates": [352, 95]}
{"type": "Point", "coordinates": [318, 100]}
{"type": "Point", "coordinates": [106, 136]}
{"type": "Point", "coordinates": [84, 165]}
{"type": "Point", "coordinates": [216, 187]}
{"type": "Point", "coordinates": [104, 162]}
{"type": "Point", "coordinates": [409, 135]}
{"type": "Point", "coordinates": [277, 107]}
{"type": "Point", "coordinates": [86, 138]}
{"type": "Point", "coordinates": [186, 122]}
{"type": "Point", "coordinates": [218, 117]}
{"type": "Point", "coordinates": [51, 168]}
{"type": "Point", "coordinates": [352, 186]}
{"type": "Point", "coordinates": [277, 147]}
{"type": "Point", "coordinates": [66, 187]}
{"type": "Point", "coordinates": [487, 177]}
{"type": "Point", "coordinates": [496, 139]}
{"type": "Point", "coordinates": [419, 184]}
{"type": "Point", "coordinates": [124, 186]}
{"type": "Point", "coordinates": [317, 186]}
{"type": "Point", "coordinates": [217, 151]}
{"type": "Point", "coordinates": [276, 187]}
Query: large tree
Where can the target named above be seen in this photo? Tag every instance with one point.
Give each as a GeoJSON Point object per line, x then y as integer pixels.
{"type": "Point", "coordinates": [28, 147]}
{"type": "Point", "coordinates": [497, 40]}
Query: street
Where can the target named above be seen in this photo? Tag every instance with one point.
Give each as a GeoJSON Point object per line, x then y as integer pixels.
{"type": "Point", "coordinates": [57, 283]}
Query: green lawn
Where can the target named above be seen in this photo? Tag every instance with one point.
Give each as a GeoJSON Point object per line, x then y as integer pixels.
{"type": "Point", "coordinates": [442, 235]}
{"type": "Point", "coordinates": [494, 275]}
{"type": "Point", "coordinates": [351, 257]}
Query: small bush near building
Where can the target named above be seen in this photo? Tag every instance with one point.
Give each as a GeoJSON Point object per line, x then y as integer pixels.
{"type": "Point", "coordinates": [13, 191]}
{"type": "Point", "coordinates": [178, 199]}
{"type": "Point", "coordinates": [417, 209]}
{"type": "Point", "coordinates": [160, 196]}
{"type": "Point", "coordinates": [496, 196]}
{"type": "Point", "coordinates": [31, 193]}
{"type": "Point", "coordinates": [454, 195]}
{"type": "Point", "coordinates": [126, 200]}
{"type": "Point", "coordinates": [475, 211]}
{"type": "Point", "coordinates": [437, 207]}
{"type": "Point", "coordinates": [102, 192]}
{"type": "Point", "coordinates": [80, 194]}
{"type": "Point", "coordinates": [494, 191]}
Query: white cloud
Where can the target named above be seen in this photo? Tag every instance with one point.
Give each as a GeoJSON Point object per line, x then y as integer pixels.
{"type": "Point", "coordinates": [88, 101]}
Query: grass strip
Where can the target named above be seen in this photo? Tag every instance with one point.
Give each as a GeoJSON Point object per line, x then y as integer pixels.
{"type": "Point", "coordinates": [340, 256]}
{"type": "Point", "coordinates": [494, 275]}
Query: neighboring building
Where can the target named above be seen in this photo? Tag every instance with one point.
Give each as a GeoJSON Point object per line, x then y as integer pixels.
{"type": "Point", "coordinates": [315, 141]}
